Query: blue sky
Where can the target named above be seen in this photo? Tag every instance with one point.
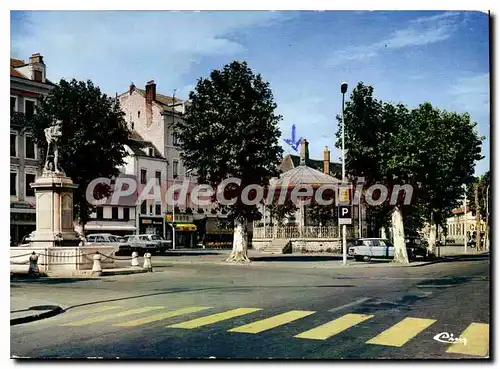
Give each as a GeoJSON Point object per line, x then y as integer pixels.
{"type": "Point", "coordinates": [409, 57]}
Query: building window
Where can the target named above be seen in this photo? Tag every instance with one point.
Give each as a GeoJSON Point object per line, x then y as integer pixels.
{"type": "Point", "coordinates": [13, 183]}
{"type": "Point", "coordinates": [175, 168]}
{"type": "Point", "coordinates": [138, 114]}
{"type": "Point", "coordinates": [114, 213]}
{"type": "Point", "coordinates": [30, 178]}
{"type": "Point", "coordinates": [29, 108]}
{"type": "Point", "coordinates": [13, 104]}
{"type": "Point", "coordinates": [143, 176]}
{"type": "Point", "coordinates": [126, 213]}
{"type": "Point", "coordinates": [175, 139]}
{"type": "Point", "coordinates": [158, 177]}
{"type": "Point", "coordinates": [151, 151]}
{"type": "Point", "coordinates": [38, 75]}
{"type": "Point", "coordinates": [29, 147]}
{"type": "Point", "coordinates": [143, 207]}
{"type": "Point", "coordinates": [13, 145]}
{"type": "Point", "coordinates": [100, 213]}
{"type": "Point", "coordinates": [158, 209]}
{"type": "Point", "coordinates": [151, 209]}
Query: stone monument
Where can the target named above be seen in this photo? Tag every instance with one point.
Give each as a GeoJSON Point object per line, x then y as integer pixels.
{"type": "Point", "coordinates": [54, 199]}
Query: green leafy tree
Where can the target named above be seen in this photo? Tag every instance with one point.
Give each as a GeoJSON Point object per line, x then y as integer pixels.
{"type": "Point", "coordinates": [448, 148]}
{"type": "Point", "coordinates": [230, 129]}
{"type": "Point", "coordinates": [93, 135]}
{"type": "Point", "coordinates": [482, 183]}
{"type": "Point", "coordinates": [326, 215]}
{"type": "Point", "coordinates": [378, 139]}
{"type": "Point", "coordinates": [479, 197]}
{"type": "Point", "coordinates": [433, 151]}
{"type": "Point", "coordinates": [279, 212]}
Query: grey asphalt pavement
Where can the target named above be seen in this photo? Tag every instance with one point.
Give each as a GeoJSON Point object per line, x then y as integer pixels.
{"type": "Point", "coordinates": [313, 313]}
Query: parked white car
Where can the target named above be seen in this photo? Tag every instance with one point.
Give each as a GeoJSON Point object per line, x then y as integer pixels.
{"type": "Point", "coordinates": [366, 248]}
{"type": "Point", "coordinates": [109, 239]}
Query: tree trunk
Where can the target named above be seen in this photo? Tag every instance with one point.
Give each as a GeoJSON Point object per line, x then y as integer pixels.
{"type": "Point", "coordinates": [478, 218]}
{"type": "Point", "coordinates": [398, 232]}
{"type": "Point", "coordinates": [79, 228]}
{"type": "Point", "coordinates": [240, 243]}
{"type": "Point", "coordinates": [431, 248]}
{"type": "Point", "coordinates": [383, 233]}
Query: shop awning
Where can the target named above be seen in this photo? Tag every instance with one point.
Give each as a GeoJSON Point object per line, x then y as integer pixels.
{"type": "Point", "coordinates": [186, 227]}
{"type": "Point", "coordinates": [103, 227]}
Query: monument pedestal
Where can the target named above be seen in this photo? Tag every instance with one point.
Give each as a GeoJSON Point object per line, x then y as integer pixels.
{"type": "Point", "coordinates": [54, 211]}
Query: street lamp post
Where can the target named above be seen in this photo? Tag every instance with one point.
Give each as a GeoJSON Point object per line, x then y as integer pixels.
{"type": "Point", "coordinates": [173, 209]}
{"type": "Point", "coordinates": [465, 218]}
{"type": "Point", "coordinates": [343, 90]}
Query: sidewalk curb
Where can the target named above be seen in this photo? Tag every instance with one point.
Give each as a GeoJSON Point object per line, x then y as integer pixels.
{"type": "Point", "coordinates": [31, 318]}
{"type": "Point", "coordinates": [81, 274]}
{"type": "Point", "coordinates": [285, 263]}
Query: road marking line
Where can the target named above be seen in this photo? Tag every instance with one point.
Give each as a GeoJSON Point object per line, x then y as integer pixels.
{"type": "Point", "coordinates": [401, 332]}
{"type": "Point", "coordinates": [110, 316]}
{"type": "Point", "coordinates": [96, 310]}
{"type": "Point", "coordinates": [214, 318]}
{"type": "Point", "coordinates": [435, 285]}
{"type": "Point", "coordinates": [478, 340]}
{"type": "Point", "coordinates": [161, 316]}
{"type": "Point", "coordinates": [334, 327]}
{"type": "Point", "coordinates": [272, 322]}
{"type": "Point", "coordinates": [357, 302]}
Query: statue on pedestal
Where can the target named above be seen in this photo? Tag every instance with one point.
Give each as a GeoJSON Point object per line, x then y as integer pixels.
{"type": "Point", "coordinates": [52, 135]}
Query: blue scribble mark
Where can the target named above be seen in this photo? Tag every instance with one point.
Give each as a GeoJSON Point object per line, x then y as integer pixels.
{"type": "Point", "coordinates": [292, 142]}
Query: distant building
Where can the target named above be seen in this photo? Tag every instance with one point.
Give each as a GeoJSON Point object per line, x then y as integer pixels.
{"type": "Point", "coordinates": [326, 165]}
{"type": "Point", "coordinates": [28, 83]}
{"type": "Point", "coordinates": [118, 219]}
{"type": "Point", "coordinates": [456, 224]}
{"type": "Point", "coordinates": [150, 116]}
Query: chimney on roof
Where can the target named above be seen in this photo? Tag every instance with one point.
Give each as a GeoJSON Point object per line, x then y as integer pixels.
{"type": "Point", "coordinates": [36, 59]}
{"type": "Point", "coordinates": [131, 88]}
{"type": "Point", "coordinates": [150, 97]}
{"type": "Point", "coordinates": [37, 68]}
{"type": "Point", "coordinates": [304, 152]}
{"type": "Point", "coordinates": [150, 91]}
{"type": "Point", "coordinates": [326, 160]}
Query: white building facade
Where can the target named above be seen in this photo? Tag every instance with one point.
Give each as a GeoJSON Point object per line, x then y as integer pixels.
{"type": "Point", "coordinates": [150, 116]}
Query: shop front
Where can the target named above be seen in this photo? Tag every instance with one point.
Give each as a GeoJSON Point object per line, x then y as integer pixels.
{"type": "Point", "coordinates": [22, 223]}
{"type": "Point", "coordinates": [151, 225]}
{"type": "Point", "coordinates": [185, 230]}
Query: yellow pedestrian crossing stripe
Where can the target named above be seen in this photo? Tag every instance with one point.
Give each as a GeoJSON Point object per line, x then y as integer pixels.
{"type": "Point", "coordinates": [272, 322]}
{"type": "Point", "coordinates": [110, 316]}
{"type": "Point", "coordinates": [92, 311]}
{"type": "Point", "coordinates": [334, 327]}
{"type": "Point", "coordinates": [477, 340]}
{"type": "Point", "coordinates": [214, 318]}
{"type": "Point", "coordinates": [402, 332]}
{"type": "Point", "coordinates": [161, 316]}
{"type": "Point", "coordinates": [476, 335]}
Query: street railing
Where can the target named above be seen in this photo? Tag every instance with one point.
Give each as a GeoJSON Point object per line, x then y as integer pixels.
{"type": "Point", "coordinates": [287, 232]}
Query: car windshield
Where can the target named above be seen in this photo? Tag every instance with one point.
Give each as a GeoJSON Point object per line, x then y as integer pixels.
{"type": "Point", "coordinates": [113, 239]}
{"type": "Point", "coordinates": [156, 237]}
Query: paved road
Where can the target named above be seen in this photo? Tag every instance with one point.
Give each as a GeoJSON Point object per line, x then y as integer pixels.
{"type": "Point", "coordinates": [203, 311]}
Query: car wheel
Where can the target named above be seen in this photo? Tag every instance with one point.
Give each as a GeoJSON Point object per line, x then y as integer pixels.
{"type": "Point", "coordinates": [366, 258]}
